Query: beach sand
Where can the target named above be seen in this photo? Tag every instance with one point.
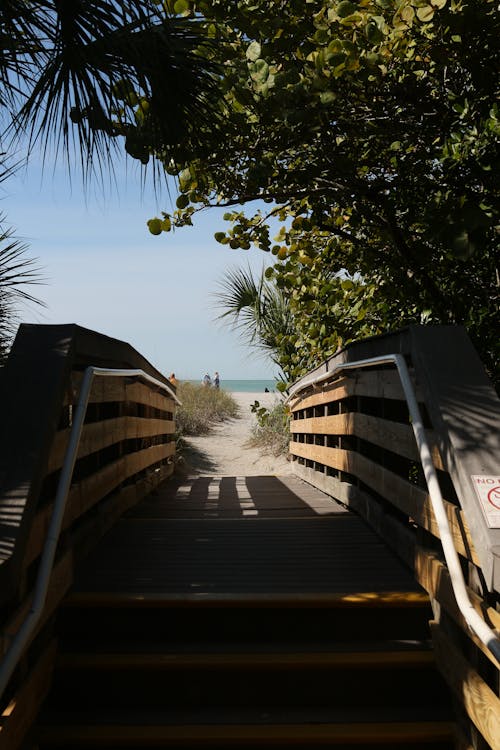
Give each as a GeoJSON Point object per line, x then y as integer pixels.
{"type": "Point", "coordinates": [225, 452]}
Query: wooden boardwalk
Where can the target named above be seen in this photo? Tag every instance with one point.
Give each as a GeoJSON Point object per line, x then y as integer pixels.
{"type": "Point", "coordinates": [216, 536]}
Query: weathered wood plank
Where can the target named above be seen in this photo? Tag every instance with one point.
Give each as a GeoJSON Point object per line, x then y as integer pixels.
{"type": "Point", "coordinates": [410, 499]}
{"type": "Point", "coordinates": [381, 384]}
{"type": "Point", "coordinates": [479, 701]}
{"type": "Point", "coordinates": [394, 436]}
{"type": "Point", "coordinates": [85, 494]}
{"type": "Point", "coordinates": [106, 390]}
{"type": "Point", "coordinates": [399, 538]}
{"type": "Point", "coordinates": [434, 577]}
{"type": "Point", "coordinates": [465, 411]}
{"type": "Point", "coordinates": [98, 435]}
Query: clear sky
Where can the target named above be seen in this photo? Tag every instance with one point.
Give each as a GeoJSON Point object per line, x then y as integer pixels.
{"type": "Point", "coordinates": [105, 271]}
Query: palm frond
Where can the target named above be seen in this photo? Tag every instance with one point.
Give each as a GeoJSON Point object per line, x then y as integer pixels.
{"type": "Point", "coordinates": [255, 308]}
{"type": "Point", "coordinates": [17, 272]}
{"type": "Point", "coordinates": [86, 49]}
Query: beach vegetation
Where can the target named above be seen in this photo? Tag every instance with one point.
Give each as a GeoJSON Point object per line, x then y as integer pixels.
{"type": "Point", "coordinates": [202, 408]}
{"type": "Point", "coordinates": [271, 431]}
{"type": "Point", "coordinates": [259, 311]}
{"type": "Point", "coordinates": [18, 274]}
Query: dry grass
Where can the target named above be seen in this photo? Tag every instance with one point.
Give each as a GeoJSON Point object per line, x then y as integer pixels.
{"type": "Point", "coordinates": [201, 408]}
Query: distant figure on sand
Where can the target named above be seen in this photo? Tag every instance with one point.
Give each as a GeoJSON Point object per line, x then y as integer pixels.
{"type": "Point", "coordinates": [173, 379]}
{"type": "Point", "coordinates": [207, 380]}
{"type": "Point", "coordinates": [216, 379]}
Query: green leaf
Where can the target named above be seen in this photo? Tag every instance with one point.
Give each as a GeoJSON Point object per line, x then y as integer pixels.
{"type": "Point", "coordinates": [182, 201]}
{"type": "Point", "coordinates": [426, 13]}
{"type": "Point", "coordinates": [181, 6]}
{"type": "Point", "coordinates": [155, 226]}
{"type": "Point", "coordinates": [185, 179]}
{"type": "Point", "coordinates": [259, 71]}
{"type": "Point", "coordinates": [345, 8]}
{"type": "Point", "coordinates": [253, 51]}
{"type": "Point", "coordinates": [373, 33]}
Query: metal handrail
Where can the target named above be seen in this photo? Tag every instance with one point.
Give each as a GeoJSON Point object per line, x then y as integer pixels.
{"type": "Point", "coordinates": [488, 636]}
{"type": "Point", "coordinates": [23, 635]}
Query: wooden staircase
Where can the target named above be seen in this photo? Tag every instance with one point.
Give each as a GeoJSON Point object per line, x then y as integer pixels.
{"type": "Point", "coordinates": [194, 625]}
{"type": "Point", "coordinates": [254, 673]}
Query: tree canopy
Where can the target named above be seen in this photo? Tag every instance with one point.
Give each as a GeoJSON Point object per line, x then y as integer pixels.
{"type": "Point", "coordinates": [370, 129]}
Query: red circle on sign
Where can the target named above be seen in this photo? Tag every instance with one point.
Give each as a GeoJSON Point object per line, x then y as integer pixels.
{"type": "Point", "coordinates": [494, 497]}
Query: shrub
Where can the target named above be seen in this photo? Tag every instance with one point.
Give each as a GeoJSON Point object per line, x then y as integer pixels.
{"type": "Point", "coordinates": [201, 408]}
{"type": "Point", "coordinates": [272, 430]}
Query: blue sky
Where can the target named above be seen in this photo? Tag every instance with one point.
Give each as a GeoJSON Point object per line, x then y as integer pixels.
{"type": "Point", "coordinates": [105, 271]}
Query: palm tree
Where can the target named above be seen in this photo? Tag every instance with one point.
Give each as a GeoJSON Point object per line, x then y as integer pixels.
{"type": "Point", "coordinates": [91, 70]}
{"type": "Point", "coordinates": [83, 73]}
{"type": "Point", "coordinates": [258, 310]}
{"type": "Point", "coordinates": [16, 272]}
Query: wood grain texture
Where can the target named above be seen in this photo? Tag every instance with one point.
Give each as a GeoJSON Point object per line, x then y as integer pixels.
{"type": "Point", "coordinates": [107, 390]}
{"type": "Point", "coordinates": [409, 498]}
{"type": "Point", "coordinates": [434, 577]}
{"type": "Point", "coordinates": [393, 436]}
{"type": "Point", "coordinates": [381, 384]}
{"type": "Point", "coordinates": [90, 491]}
{"type": "Point", "coordinates": [479, 701]}
{"type": "Point", "coordinates": [98, 435]}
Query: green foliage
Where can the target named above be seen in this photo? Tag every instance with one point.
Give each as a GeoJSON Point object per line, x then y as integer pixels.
{"type": "Point", "coordinates": [100, 74]}
{"type": "Point", "coordinates": [17, 272]}
{"type": "Point", "coordinates": [259, 311]}
{"type": "Point", "coordinates": [371, 129]}
{"type": "Point", "coordinates": [201, 408]}
{"type": "Point", "coordinates": [272, 430]}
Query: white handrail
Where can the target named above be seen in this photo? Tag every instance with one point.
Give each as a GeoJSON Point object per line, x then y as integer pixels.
{"type": "Point", "coordinates": [23, 635]}
{"type": "Point", "coordinates": [473, 619]}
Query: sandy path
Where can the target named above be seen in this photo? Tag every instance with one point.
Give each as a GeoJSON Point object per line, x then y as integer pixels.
{"type": "Point", "coordinates": [225, 451]}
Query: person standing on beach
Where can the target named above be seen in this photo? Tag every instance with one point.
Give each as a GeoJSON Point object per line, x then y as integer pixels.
{"type": "Point", "coordinates": [216, 379]}
{"type": "Point", "coordinates": [206, 380]}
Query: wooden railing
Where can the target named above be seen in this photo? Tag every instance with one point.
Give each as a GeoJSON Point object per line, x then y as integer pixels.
{"type": "Point", "coordinates": [352, 438]}
{"type": "Point", "coordinates": [127, 447]}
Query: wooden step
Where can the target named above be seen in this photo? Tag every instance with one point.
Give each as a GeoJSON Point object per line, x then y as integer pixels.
{"type": "Point", "coordinates": [249, 661]}
{"type": "Point", "coordinates": [273, 681]}
{"type": "Point", "coordinates": [94, 621]}
{"type": "Point", "coordinates": [354, 735]}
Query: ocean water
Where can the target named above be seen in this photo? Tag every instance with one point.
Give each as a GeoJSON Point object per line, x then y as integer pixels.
{"type": "Point", "coordinates": [246, 386]}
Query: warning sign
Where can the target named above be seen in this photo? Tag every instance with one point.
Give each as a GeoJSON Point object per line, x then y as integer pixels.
{"type": "Point", "coordinates": [488, 491]}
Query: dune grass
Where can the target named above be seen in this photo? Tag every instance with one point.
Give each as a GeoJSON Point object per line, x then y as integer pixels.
{"type": "Point", "coordinates": [201, 408]}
